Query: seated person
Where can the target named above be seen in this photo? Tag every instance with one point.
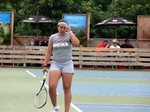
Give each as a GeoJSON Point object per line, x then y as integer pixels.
{"type": "Point", "coordinates": [40, 43]}
{"type": "Point", "coordinates": [34, 42]}
{"type": "Point", "coordinates": [103, 44]}
{"type": "Point", "coordinates": [114, 44]}
{"type": "Point", "coordinates": [126, 44]}
{"type": "Point", "coordinates": [45, 41]}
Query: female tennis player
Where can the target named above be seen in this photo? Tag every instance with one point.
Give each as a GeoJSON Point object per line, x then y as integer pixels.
{"type": "Point", "coordinates": [60, 48]}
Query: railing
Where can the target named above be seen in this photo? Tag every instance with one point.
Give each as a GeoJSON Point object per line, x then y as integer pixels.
{"type": "Point", "coordinates": [18, 55]}
{"type": "Point", "coordinates": [82, 56]}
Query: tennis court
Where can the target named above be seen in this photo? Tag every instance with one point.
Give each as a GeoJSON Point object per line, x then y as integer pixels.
{"type": "Point", "coordinates": [93, 91]}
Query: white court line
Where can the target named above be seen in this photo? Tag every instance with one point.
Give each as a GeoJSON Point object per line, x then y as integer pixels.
{"type": "Point", "coordinates": [76, 108]}
{"type": "Point", "coordinates": [72, 105]}
{"type": "Point", "coordinates": [30, 73]}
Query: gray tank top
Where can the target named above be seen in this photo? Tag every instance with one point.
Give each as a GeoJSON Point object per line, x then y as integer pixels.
{"type": "Point", "coordinates": [62, 47]}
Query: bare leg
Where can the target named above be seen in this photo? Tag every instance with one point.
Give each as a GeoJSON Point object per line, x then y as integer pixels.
{"type": "Point", "coordinates": [67, 81]}
{"type": "Point", "coordinates": [53, 82]}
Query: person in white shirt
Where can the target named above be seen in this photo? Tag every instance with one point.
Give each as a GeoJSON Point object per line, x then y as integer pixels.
{"type": "Point", "coordinates": [114, 44]}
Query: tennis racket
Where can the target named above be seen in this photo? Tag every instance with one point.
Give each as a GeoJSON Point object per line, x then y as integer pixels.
{"type": "Point", "coordinates": [41, 95]}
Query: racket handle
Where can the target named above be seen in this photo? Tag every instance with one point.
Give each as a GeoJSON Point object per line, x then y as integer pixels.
{"type": "Point", "coordinates": [44, 77]}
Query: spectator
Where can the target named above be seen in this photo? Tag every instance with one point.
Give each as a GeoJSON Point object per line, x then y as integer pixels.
{"type": "Point", "coordinates": [45, 41]}
{"type": "Point", "coordinates": [114, 44]}
{"type": "Point", "coordinates": [31, 43]}
{"type": "Point", "coordinates": [103, 44]}
{"type": "Point", "coordinates": [127, 44]}
{"type": "Point", "coordinates": [40, 43]}
{"type": "Point", "coordinates": [34, 42]}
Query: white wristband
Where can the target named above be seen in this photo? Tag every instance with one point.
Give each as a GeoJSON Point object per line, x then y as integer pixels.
{"type": "Point", "coordinates": [70, 32]}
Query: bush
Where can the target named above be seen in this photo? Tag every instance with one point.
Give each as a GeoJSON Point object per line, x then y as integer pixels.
{"type": "Point", "coordinates": [5, 35]}
{"type": "Point", "coordinates": [23, 29]}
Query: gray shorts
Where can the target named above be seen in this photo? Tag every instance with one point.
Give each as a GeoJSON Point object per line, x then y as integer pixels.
{"type": "Point", "coordinates": [64, 67]}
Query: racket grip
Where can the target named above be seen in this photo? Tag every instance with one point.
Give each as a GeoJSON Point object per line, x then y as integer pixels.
{"type": "Point", "coordinates": [44, 77]}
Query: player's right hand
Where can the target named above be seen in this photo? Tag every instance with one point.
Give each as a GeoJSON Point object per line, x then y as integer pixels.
{"type": "Point", "coordinates": [44, 70]}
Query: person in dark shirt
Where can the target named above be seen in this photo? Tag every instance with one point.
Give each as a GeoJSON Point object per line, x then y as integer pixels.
{"type": "Point", "coordinates": [36, 41]}
{"type": "Point", "coordinates": [40, 43]}
{"type": "Point", "coordinates": [127, 44]}
{"type": "Point", "coordinates": [45, 41]}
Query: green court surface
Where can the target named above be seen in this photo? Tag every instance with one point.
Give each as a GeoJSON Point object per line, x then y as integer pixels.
{"type": "Point", "coordinates": [18, 88]}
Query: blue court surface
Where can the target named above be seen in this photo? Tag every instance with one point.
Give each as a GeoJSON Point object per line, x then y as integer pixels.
{"type": "Point", "coordinates": [84, 85]}
{"type": "Point", "coordinates": [109, 89]}
{"type": "Point", "coordinates": [113, 108]}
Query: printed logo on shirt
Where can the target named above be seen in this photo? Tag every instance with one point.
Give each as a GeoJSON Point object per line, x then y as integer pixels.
{"type": "Point", "coordinates": [61, 45]}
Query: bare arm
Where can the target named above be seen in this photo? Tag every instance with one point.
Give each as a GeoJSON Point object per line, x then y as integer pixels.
{"type": "Point", "coordinates": [74, 39]}
{"type": "Point", "coordinates": [107, 46]}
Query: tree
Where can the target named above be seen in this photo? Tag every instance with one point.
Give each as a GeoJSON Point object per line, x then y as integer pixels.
{"type": "Point", "coordinates": [98, 10]}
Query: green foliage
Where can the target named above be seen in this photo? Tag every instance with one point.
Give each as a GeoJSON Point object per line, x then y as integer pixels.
{"type": "Point", "coordinates": [83, 41]}
{"type": "Point", "coordinates": [23, 29]}
{"type": "Point", "coordinates": [5, 35]}
{"type": "Point", "coordinates": [7, 39]}
{"type": "Point", "coordinates": [2, 35]}
{"type": "Point", "coordinates": [99, 10]}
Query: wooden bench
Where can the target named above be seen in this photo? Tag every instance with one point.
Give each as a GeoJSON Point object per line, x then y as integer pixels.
{"type": "Point", "coordinates": [108, 57]}
{"type": "Point", "coordinates": [82, 56]}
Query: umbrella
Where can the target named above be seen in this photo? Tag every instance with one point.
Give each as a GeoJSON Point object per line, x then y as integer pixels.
{"type": "Point", "coordinates": [37, 19]}
{"type": "Point", "coordinates": [115, 21]}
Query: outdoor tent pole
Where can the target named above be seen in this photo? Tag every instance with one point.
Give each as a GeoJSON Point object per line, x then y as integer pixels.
{"type": "Point", "coordinates": [12, 27]}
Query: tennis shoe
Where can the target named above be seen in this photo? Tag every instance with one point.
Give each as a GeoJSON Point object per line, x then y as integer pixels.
{"type": "Point", "coordinates": [56, 109]}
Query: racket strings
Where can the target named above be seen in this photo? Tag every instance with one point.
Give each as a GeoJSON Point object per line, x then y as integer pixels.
{"type": "Point", "coordinates": [41, 98]}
